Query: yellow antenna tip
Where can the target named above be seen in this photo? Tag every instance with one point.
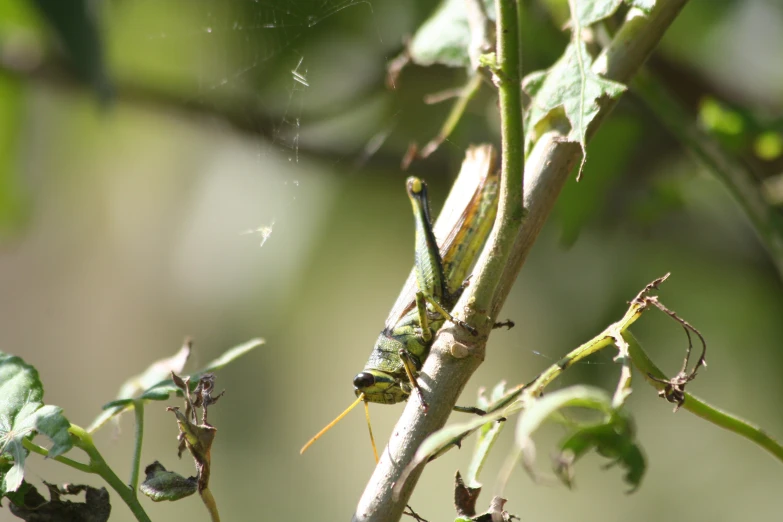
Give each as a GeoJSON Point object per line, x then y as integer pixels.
{"type": "Point", "coordinates": [331, 424]}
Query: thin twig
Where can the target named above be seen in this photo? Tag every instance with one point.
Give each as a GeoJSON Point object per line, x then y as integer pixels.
{"type": "Point", "coordinates": [138, 409]}
{"type": "Point", "coordinates": [209, 502]}
{"type": "Point", "coordinates": [700, 408]}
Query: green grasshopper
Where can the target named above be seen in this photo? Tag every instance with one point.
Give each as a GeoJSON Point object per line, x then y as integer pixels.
{"type": "Point", "coordinates": [444, 255]}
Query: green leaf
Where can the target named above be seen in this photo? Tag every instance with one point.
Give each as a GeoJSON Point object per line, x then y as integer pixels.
{"type": "Point", "coordinates": [613, 439]}
{"type": "Point", "coordinates": [644, 5]}
{"type": "Point", "coordinates": [161, 391]}
{"type": "Point", "coordinates": [498, 393]}
{"type": "Point", "coordinates": [156, 372]}
{"type": "Point", "coordinates": [19, 383]}
{"type": "Point", "coordinates": [161, 484]}
{"type": "Point", "coordinates": [229, 356]}
{"type": "Point", "coordinates": [539, 410]}
{"type": "Point", "coordinates": [444, 38]}
{"type": "Point", "coordinates": [118, 402]}
{"type": "Point", "coordinates": [487, 435]}
{"type": "Point", "coordinates": [138, 384]}
{"type": "Point", "coordinates": [465, 497]}
{"type": "Point", "coordinates": [22, 416]}
{"type": "Point", "coordinates": [154, 383]}
{"type": "Point", "coordinates": [501, 405]}
{"type": "Point", "coordinates": [34, 507]}
{"type": "Point", "coordinates": [19, 496]}
{"type": "Point", "coordinates": [569, 85]}
{"type": "Point", "coordinates": [444, 439]}
{"type": "Point", "coordinates": [591, 11]}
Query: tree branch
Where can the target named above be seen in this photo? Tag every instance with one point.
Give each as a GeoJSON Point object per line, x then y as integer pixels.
{"type": "Point", "coordinates": [548, 166]}
{"type": "Point", "coordinates": [235, 110]}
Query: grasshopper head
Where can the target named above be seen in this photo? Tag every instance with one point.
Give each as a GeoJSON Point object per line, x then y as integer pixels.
{"type": "Point", "coordinates": [380, 387]}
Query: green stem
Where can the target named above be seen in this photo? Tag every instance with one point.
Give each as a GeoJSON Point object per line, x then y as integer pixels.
{"type": "Point", "coordinates": [612, 334]}
{"type": "Point", "coordinates": [457, 110]}
{"type": "Point", "coordinates": [700, 408]}
{"type": "Point", "coordinates": [508, 76]}
{"type": "Point", "coordinates": [209, 501]}
{"type": "Point", "coordinates": [536, 387]}
{"type": "Point", "coordinates": [512, 129]}
{"type": "Point", "coordinates": [35, 448]}
{"type": "Point", "coordinates": [595, 344]}
{"type": "Point", "coordinates": [98, 465]}
{"type": "Point", "coordinates": [138, 410]}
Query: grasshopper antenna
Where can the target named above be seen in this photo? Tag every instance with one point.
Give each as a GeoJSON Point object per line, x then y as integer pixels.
{"type": "Point", "coordinates": [369, 427]}
{"type": "Point", "coordinates": [335, 421]}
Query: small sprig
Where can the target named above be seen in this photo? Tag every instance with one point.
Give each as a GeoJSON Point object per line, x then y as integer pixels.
{"type": "Point", "coordinates": [674, 389]}
{"type": "Point", "coordinates": [197, 437]}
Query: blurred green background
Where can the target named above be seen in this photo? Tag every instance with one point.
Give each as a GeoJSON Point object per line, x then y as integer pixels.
{"type": "Point", "coordinates": [130, 173]}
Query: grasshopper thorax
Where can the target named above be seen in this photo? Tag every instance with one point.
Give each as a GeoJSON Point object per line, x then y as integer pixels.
{"type": "Point", "coordinates": [381, 387]}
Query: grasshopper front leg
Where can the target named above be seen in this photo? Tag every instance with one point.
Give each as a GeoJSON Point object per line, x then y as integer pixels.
{"type": "Point", "coordinates": [410, 370]}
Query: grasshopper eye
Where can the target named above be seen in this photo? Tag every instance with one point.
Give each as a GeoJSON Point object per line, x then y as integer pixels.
{"type": "Point", "coordinates": [363, 380]}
